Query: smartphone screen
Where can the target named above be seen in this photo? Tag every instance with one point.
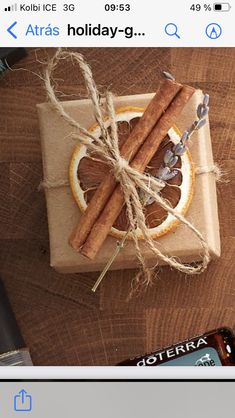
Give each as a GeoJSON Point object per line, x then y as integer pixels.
{"type": "Point", "coordinates": [116, 207]}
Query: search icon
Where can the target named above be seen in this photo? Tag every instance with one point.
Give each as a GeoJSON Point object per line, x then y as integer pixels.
{"type": "Point", "coordinates": [171, 29]}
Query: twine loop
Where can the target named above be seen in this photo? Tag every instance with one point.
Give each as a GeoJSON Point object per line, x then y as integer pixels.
{"type": "Point", "coordinates": [134, 184]}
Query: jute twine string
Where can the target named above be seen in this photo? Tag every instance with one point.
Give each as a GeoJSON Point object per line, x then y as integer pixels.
{"type": "Point", "coordinates": [213, 169]}
{"type": "Point", "coordinates": [131, 181]}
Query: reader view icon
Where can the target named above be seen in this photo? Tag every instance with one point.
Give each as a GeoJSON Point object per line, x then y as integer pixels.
{"type": "Point", "coordinates": [213, 31]}
{"type": "Point", "coordinates": [23, 402]}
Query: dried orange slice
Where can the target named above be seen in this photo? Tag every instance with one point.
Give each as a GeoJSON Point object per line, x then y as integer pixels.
{"type": "Point", "coordinates": [87, 172]}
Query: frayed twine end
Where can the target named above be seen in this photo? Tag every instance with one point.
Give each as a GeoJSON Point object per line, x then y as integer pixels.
{"type": "Point", "coordinates": [216, 170]}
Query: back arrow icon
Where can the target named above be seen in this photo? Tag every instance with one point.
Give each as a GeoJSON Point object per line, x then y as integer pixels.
{"type": "Point", "coordinates": [9, 30]}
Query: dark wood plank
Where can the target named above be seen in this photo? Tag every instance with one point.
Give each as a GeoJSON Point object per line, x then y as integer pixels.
{"type": "Point", "coordinates": [203, 64]}
{"type": "Point", "coordinates": [71, 338]}
{"type": "Point", "coordinates": [32, 283]}
{"type": "Point", "coordinates": [174, 325]}
{"type": "Point", "coordinates": [4, 199]}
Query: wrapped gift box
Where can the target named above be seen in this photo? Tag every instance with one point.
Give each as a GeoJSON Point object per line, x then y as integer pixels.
{"type": "Point", "coordinates": [63, 213]}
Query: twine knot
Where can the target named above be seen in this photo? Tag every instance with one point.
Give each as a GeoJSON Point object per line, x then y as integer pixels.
{"type": "Point", "coordinates": [119, 167]}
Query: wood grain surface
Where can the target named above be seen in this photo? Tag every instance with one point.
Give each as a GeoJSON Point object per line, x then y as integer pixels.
{"type": "Point", "coordinates": [62, 321]}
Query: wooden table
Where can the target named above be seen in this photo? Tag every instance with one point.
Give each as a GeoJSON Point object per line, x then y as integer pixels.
{"type": "Point", "coordinates": [62, 321]}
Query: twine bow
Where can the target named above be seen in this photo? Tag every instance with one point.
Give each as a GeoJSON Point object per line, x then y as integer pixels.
{"type": "Point", "coordinates": [133, 183]}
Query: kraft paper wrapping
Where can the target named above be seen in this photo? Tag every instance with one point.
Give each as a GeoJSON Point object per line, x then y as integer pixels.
{"type": "Point", "coordinates": [63, 213]}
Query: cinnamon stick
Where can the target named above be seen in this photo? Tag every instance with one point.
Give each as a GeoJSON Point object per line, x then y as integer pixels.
{"type": "Point", "coordinates": [151, 116]}
{"type": "Point", "coordinates": [115, 204]}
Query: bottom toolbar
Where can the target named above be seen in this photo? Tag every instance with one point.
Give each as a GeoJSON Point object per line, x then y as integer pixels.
{"type": "Point", "coordinates": [115, 399]}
